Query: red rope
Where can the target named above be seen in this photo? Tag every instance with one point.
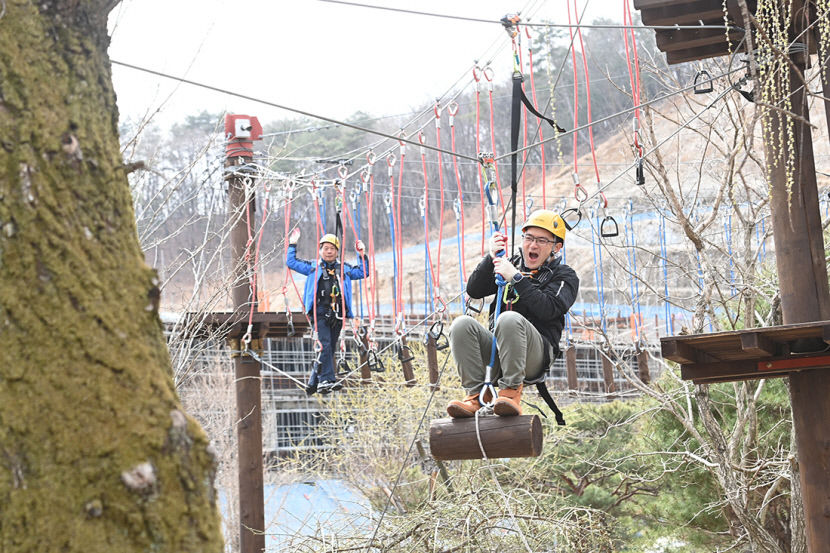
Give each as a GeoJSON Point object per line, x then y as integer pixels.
{"type": "Point", "coordinates": [436, 294]}
{"type": "Point", "coordinates": [590, 120]}
{"type": "Point", "coordinates": [441, 187]}
{"type": "Point", "coordinates": [318, 226]}
{"type": "Point", "coordinates": [399, 235]}
{"type": "Point", "coordinates": [541, 134]}
{"type": "Point", "coordinates": [489, 78]}
{"type": "Point", "coordinates": [524, 127]}
{"type": "Point", "coordinates": [477, 78]}
{"type": "Point", "coordinates": [452, 109]}
{"type": "Point", "coordinates": [288, 273]}
{"type": "Point", "coordinates": [370, 158]}
{"type": "Point", "coordinates": [633, 73]}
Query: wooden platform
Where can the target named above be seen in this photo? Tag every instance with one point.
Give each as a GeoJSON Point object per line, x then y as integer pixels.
{"type": "Point", "coordinates": [748, 354]}
{"type": "Point", "coordinates": [684, 44]}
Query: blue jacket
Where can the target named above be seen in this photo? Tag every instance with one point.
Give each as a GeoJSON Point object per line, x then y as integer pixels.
{"type": "Point", "coordinates": [304, 267]}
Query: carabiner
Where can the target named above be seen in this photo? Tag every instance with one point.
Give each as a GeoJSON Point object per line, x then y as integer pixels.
{"type": "Point", "coordinates": [580, 193]}
{"type": "Point", "coordinates": [488, 386]}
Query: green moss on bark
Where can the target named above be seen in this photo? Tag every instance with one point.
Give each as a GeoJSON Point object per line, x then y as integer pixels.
{"type": "Point", "coordinates": [85, 390]}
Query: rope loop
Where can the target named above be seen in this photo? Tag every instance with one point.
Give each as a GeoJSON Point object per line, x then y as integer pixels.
{"type": "Point", "coordinates": [343, 172]}
{"type": "Point", "coordinates": [422, 139]}
{"type": "Point", "coordinates": [371, 157]}
{"type": "Point", "coordinates": [452, 110]}
{"type": "Point", "coordinates": [402, 143]}
{"type": "Point", "coordinates": [488, 386]}
{"type": "Point", "coordinates": [477, 72]}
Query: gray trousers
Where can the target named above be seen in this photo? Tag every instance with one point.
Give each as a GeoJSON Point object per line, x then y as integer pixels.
{"type": "Point", "coordinates": [520, 351]}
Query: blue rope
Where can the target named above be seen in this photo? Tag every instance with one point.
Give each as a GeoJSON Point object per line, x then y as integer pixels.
{"type": "Point", "coordinates": [631, 254]}
{"type": "Point", "coordinates": [596, 247]}
{"type": "Point", "coordinates": [356, 209]}
{"type": "Point", "coordinates": [665, 263]}
{"type": "Point", "coordinates": [727, 228]}
{"type": "Point", "coordinates": [394, 264]}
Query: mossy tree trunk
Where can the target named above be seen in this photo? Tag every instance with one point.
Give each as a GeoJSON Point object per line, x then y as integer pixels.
{"type": "Point", "coordinates": [95, 452]}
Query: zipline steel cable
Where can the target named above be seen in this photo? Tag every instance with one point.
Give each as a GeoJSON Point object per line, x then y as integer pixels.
{"type": "Point", "coordinates": [551, 25]}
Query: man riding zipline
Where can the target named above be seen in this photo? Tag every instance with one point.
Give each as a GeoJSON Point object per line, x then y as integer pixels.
{"type": "Point", "coordinates": [539, 290]}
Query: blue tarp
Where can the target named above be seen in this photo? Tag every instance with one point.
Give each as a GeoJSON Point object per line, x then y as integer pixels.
{"type": "Point", "coordinates": [328, 510]}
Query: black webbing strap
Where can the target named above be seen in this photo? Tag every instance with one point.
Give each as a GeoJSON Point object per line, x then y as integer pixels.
{"type": "Point", "coordinates": [515, 125]}
{"type": "Point", "coordinates": [529, 105]}
{"type": "Point", "coordinates": [338, 232]}
{"type": "Point", "coordinates": [543, 391]}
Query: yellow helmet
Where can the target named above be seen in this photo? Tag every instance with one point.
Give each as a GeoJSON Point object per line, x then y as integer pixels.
{"type": "Point", "coordinates": [331, 239]}
{"type": "Point", "coordinates": [548, 220]}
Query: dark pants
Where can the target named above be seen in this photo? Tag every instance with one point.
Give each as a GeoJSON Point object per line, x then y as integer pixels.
{"type": "Point", "coordinates": [327, 333]}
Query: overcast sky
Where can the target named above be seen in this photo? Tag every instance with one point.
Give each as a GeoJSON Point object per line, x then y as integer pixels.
{"type": "Point", "coordinates": [315, 56]}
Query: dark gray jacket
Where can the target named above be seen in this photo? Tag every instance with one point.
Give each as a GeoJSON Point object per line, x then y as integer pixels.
{"type": "Point", "coordinates": [543, 300]}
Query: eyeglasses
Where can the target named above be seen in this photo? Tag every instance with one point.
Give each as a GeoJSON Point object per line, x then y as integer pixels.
{"type": "Point", "coordinates": [528, 238]}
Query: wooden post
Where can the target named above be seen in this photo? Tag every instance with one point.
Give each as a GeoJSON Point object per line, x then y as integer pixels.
{"type": "Point", "coordinates": [432, 361]}
{"type": "Point", "coordinates": [608, 373]}
{"type": "Point", "coordinates": [570, 366]}
{"type": "Point", "coordinates": [365, 373]}
{"type": "Point", "coordinates": [247, 376]}
{"type": "Point", "coordinates": [802, 277]}
{"type": "Point", "coordinates": [405, 357]}
{"type": "Point", "coordinates": [642, 367]}
{"type": "Point", "coordinates": [501, 437]}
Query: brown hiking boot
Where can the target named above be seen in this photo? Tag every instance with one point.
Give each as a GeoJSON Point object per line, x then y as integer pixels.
{"type": "Point", "coordinates": [508, 404]}
{"type": "Point", "coordinates": [464, 408]}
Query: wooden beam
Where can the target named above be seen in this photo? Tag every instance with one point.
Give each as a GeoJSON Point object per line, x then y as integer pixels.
{"type": "Point", "coordinates": [686, 39]}
{"type": "Point", "coordinates": [758, 345]}
{"type": "Point", "coordinates": [715, 380]}
{"type": "Point", "coordinates": [687, 14]}
{"type": "Point", "coordinates": [647, 4]}
{"type": "Point", "coordinates": [502, 437]}
{"type": "Point", "coordinates": [679, 352]}
{"type": "Point", "coordinates": [700, 53]}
